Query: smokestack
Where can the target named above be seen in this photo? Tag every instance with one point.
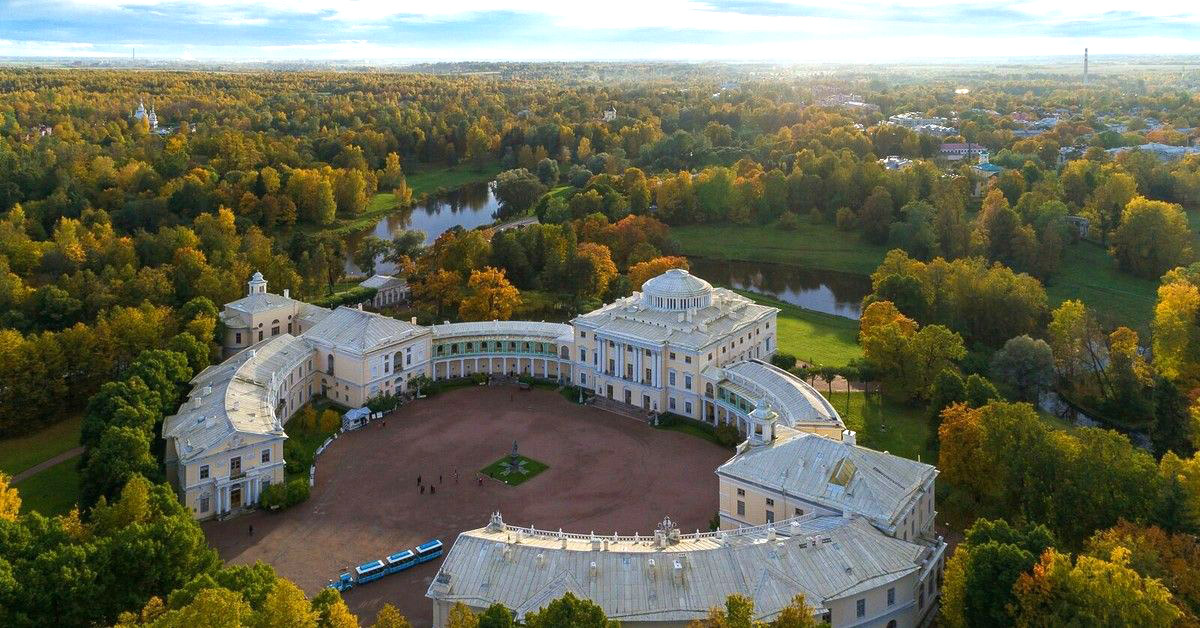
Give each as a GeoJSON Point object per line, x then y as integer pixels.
{"type": "Point", "coordinates": [1085, 66]}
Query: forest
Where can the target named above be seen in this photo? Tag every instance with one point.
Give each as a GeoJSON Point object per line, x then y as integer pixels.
{"type": "Point", "coordinates": [121, 239]}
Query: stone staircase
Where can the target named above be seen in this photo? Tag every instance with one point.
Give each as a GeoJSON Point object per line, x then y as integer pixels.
{"type": "Point", "coordinates": [623, 409]}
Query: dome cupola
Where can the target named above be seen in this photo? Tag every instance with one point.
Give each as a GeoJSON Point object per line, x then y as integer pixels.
{"type": "Point", "coordinates": [677, 290]}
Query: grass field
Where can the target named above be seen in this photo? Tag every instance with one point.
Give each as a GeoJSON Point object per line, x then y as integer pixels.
{"type": "Point", "coordinates": [885, 425]}
{"type": "Point", "coordinates": [531, 468]}
{"type": "Point", "coordinates": [53, 491]}
{"type": "Point", "coordinates": [811, 246]}
{"type": "Point", "coordinates": [813, 337]}
{"type": "Point", "coordinates": [1088, 273]}
{"type": "Point", "coordinates": [18, 454]}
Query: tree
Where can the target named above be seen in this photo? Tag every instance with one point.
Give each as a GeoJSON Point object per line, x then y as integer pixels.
{"type": "Point", "coordinates": [1107, 203]}
{"type": "Point", "coordinates": [406, 244]}
{"type": "Point", "coordinates": [286, 606]}
{"type": "Point", "coordinates": [390, 617]}
{"type": "Point", "coordinates": [439, 288]}
{"type": "Point", "coordinates": [876, 216]}
{"type": "Point", "coordinates": [1153, 237]}
{"type": "Point", "coordinates": [547, 172]}
{"type": "Point", "coordinates": [1176, 332]}
{"type": "Point", "coordinates": [1025, 367]}
{"type": "Point", "coordinates": [1091, 592]}
{"type": "Point", "coordinates": [518, 190]}
{"type": "Point", "coordinates": [462, 617]}
{"type": "Point", "coordinates": [369, 250]}
{"type": "Point", "coordinates": [1173, 559]}
{"type": "Point", "coordinates": [10, 500]}
{"type": "Point", "coordinates": [568, 611]}
{"type": "Point", "coordinates": [491, 296]}
{"type": "Point", "coordinates": [645, 271]}
{"type": "Point", "coordinates": [212, 608]}
{"type": "Point", "coordinates": [122, 453]}
{"type": "Point", "coordinates": [980, 391]}
{"type": "Point", "coordinates": [947, 389]}
{"type": "Point", "coordinates": [979, 579]}
{"type": "Point", "coordinates": [497, 616]}
{"type": "Point", "coordinates": [1175, 426]}
{"type": "Point", "coordinates": [797, 614]}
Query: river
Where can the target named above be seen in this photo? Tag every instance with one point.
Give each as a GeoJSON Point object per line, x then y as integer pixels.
{"type": "Point", "coordinates": [830, 292]}
{"type": "Point", "coordinates": [469, 206]}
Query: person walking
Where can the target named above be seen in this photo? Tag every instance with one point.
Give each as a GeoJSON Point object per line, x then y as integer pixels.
{"type": "Point", "coordinates": [439, 478]}
{"type": "Point", "coordinates": [252, 529]}
{"type": "Point", "coordinates": [418, 479]}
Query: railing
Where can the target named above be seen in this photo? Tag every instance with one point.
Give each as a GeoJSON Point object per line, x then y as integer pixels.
{"type": "Point", "coordinates": [782, 527]}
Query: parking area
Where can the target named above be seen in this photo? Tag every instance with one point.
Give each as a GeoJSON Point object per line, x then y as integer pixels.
{"type": "Point", "coordinates": [606, 473]}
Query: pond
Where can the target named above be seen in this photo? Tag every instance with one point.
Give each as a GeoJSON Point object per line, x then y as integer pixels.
{"type": "Point", "coordinates": [830, 292]}
{"type": "Point", "coordinates": [469, 206]}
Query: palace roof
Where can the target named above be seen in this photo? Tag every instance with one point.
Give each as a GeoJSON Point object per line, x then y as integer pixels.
{"type": "Point", "coordinates": [833, 474]}
{"type": "Point", "coordinates": [672, 577]}
{"type": "Point", "coordinates": [693, 329]}
{"type": "Point", "coordinates": [514, 329]}
{"type": "Point", "coordinates": [358, 331]}
{"type": "Point", "coordinates": [231, 403]}
{"type": "Point", "coordinates": [794, 399]}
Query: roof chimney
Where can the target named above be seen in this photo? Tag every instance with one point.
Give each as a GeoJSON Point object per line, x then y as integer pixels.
{"type": "Point", "coordinates": [287, 293]}
{"type": "Point", "coordinates": [850, 437]}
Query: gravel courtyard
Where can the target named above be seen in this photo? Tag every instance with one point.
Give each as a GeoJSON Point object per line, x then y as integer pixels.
{"type": "Point", "coordinates": [607, 473]}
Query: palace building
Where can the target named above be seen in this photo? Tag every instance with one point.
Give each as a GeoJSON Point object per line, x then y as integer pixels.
{"type": "Point", "coordinates": [802, 507]}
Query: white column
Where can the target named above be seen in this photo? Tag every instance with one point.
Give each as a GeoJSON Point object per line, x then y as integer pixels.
{"type": "Point", "coordinates": [637, 362]}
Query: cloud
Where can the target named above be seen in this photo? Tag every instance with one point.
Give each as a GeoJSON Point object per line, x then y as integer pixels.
{"type": "Point", "coordinates": [776, 30]}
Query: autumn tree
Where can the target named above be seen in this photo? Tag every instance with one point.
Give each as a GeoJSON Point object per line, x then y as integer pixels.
{"type": "Point", "coordinates": [440, 288]}
{"type": "Point", "coordinates": [490, 296]}
{"type": "Point", "coordinates": [1153, 237]}
{"type": "Point", "coordinates": [10, 500]}
{"type": "Point", "coordinates": [1107, 202]}
{"type": "Point", "coordinates": [644, 271]}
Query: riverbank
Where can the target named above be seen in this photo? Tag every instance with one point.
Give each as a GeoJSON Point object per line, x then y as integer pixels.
{"type": "Point", "coordinates": [813, 337]}
{"type": "Point", "coordinates": [1087, 273]}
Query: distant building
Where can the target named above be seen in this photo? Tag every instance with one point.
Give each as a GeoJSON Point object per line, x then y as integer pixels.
{"type": "Point", "coordinates": [140, 114]}
{"type": "Point", "coordinates": [984, 170]}
{"type": "Point", "coordinates": [956, 151]}
{"type": "Point", "coordinates": [389, 290]}
{"type": "Point", "coordinates": [1164, 152]}
{"type": "Point", "coordinates": [610, 114]}
{"type": "Point", "coordinates": [895, 162]}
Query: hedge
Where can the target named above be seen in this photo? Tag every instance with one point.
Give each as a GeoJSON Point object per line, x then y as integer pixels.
{"type": "Point", "coordinates": [278, 496]}
{"type": "Point", "coordinates": [353, 296]}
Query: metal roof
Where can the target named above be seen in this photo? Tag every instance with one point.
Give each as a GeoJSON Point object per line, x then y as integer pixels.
{"type": "Point", "coordinates": [359, 331]}
{"type": "Point", "coordinates": [231, 403]}
{"type": "Point", "coordinates": [675, 580]}
{"type": "Point", "coordinates": [548, 331]}
{"type": "Point", "coordinates": [794, 399]}
{"type": "Point", "coordinates": [833, 474]}
{"type": "Point", "coordinates": [695, 329]}
{"type": "Point", "coordinates": [379, 281]}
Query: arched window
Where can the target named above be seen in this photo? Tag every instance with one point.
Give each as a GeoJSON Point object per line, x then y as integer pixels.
{"type": "Point", "coordinates": [329, 364]}
{"type": "Point", "coordinates": [397, 360]}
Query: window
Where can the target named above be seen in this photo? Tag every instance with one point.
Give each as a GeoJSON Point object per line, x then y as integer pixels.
{"type": "Point", "coordinates": [582, 378]}
{"type": "Point", "coordinates": [687, 359]}
{"type": "Point", "coordinates": [672, 355]}
{"type": "Point", "coordinates": [671, 377]}
{"type": "Point", "coordinates": [770, 502]}
{"type": "Point", "coordinates": [892, 596]}
{"type": "Point", "coordinates": [710, 357]}
{"type": "Point", "coordinates": [582, 354]}
{"type": "Point", "coordinates": [687, 382]}
{"type": "Point", "coordinates": [275, 330]}
{"type": "Point", "coordinates": [203, 472]}
{"type": "Point", "coordinates": [204, 503]}
{"type": "Point", "coordinates": [260, 334]}
{"type": "Point", "coordinates": [687, 407]}
{"type": "Point", "coordinates": [799, 511]}
{"type": "Point", "coordinates": [583, 334]}
{"type": "Point", "coordinates": [770, 516]}
{"type": "Point", "coordinates": [237, 338]}
{"type": "Point", "coordinates": [741, 507]}
{"type": "Point", "coordinates": [741, 492]}
{"type": "Point", "coordinates": [860, 608]}
{"type": "Point", "coordinates": [235, 465]}
{"type": "Point", "coordinates": [671, 403]}
{"type": "Point", "coordinates": [266, 455]}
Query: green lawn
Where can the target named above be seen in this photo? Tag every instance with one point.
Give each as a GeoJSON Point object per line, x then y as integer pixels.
{"type": "Point", "coordinates": [51, 492]}
{"type": "Point", "coordinates": [531, 468]}
{"type": "Point", "coordinates": [811, 246]}
{"type": "Point", "coordinates": [1088, 273]}
{"type": "Point", "coordinates": [18, 454]}
{"type": "Point", "coordinates": [813, 337]}
{"type": "Point", "coordinates": [885, 425]}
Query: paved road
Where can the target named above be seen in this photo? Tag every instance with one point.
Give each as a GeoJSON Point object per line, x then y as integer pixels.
{"type": "Point", "coordinates": [46, 464]}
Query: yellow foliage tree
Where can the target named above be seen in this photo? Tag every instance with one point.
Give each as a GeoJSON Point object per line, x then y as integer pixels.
{"type": "Point", "coordinates": [462, 617]}
{"type": "Point", "coordinates": [286, 606]}
{"type": "Point", "coordinates": [390, 617]}
{"type": "Point", "coordinates": [492, 297]}
{"type": "Point", "coordinates": [10, 500]}
{"type": "Point", "coordinates": [641, 273]}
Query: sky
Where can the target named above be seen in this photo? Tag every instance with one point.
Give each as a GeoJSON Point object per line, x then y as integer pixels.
{"type": "Point", "coordinates": [787, 31]}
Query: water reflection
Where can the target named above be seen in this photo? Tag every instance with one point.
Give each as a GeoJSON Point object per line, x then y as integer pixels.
{"type": "Point", "coordinates": [470, 206]}
{"type": "Point", "coordinates": [825, 291]}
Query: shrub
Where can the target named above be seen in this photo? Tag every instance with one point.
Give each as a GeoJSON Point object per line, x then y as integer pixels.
{"type": "Point", "coordinates": [816, 216]}
{"type": "Point", "coordinates": [789, 221]}
{"type": "Point", "coordinates": [728, 435]}
{"type": "Point", "coordinates": [783, 360]}
{"type": "Point", "coordinates": [357, 294]}
{"type": "Point", "coordinates": [846, 219]}
{"type": "Point", "coordinates": [330, 421]}
{"type": "Point", "coordinates": [383, 403]}
{"type": "Point", "coordinates": [277, 496]}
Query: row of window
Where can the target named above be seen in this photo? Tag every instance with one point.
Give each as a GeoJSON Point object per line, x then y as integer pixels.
{"type": "Point", "coordinates": [235, 464]}
{"type": "Point", "coordinates": [485, 346]}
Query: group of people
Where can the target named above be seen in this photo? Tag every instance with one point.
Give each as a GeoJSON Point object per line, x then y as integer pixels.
{"type": "Point", "coordinates": [433, 487]}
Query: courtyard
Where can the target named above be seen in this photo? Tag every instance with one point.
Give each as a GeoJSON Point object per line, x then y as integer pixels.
{"type": "Point", "coordinates": [605, 473]}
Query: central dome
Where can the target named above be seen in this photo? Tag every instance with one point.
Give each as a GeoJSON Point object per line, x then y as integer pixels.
{"type": "Point", "coordinates": [677, 289]}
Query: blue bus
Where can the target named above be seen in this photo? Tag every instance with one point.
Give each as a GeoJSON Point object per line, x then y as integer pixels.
{"type": "Point", "coordinates": [429, 550]}
{"type": "Point", "coordinates": [367, 572]}
{"type": "Point", "coordinates": [400, 561]}
{"type": "Point", "coordinates": [343, 583]}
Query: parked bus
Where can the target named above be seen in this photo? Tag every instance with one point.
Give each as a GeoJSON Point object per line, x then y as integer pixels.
{"type": "Point", "coordinates": [400, 561]}
{"type": "Point", "coordinates": [429, 550]}
{"type": "Point", "coordinates": [394, 563]}
{"type": "Point", "coordinates": [367, 572]}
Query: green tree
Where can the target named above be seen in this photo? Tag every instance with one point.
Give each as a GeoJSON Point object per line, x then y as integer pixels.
{"type": "Point", "coordinates": [1153, 237]}
{"type": "Point", "coordinates": [568, 611]}
{"type": "Point", "coordinates": [1024, 367]}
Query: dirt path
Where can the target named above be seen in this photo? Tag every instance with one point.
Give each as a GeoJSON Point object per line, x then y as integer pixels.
{"type": "Point", "coordinates": [46, 464]}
